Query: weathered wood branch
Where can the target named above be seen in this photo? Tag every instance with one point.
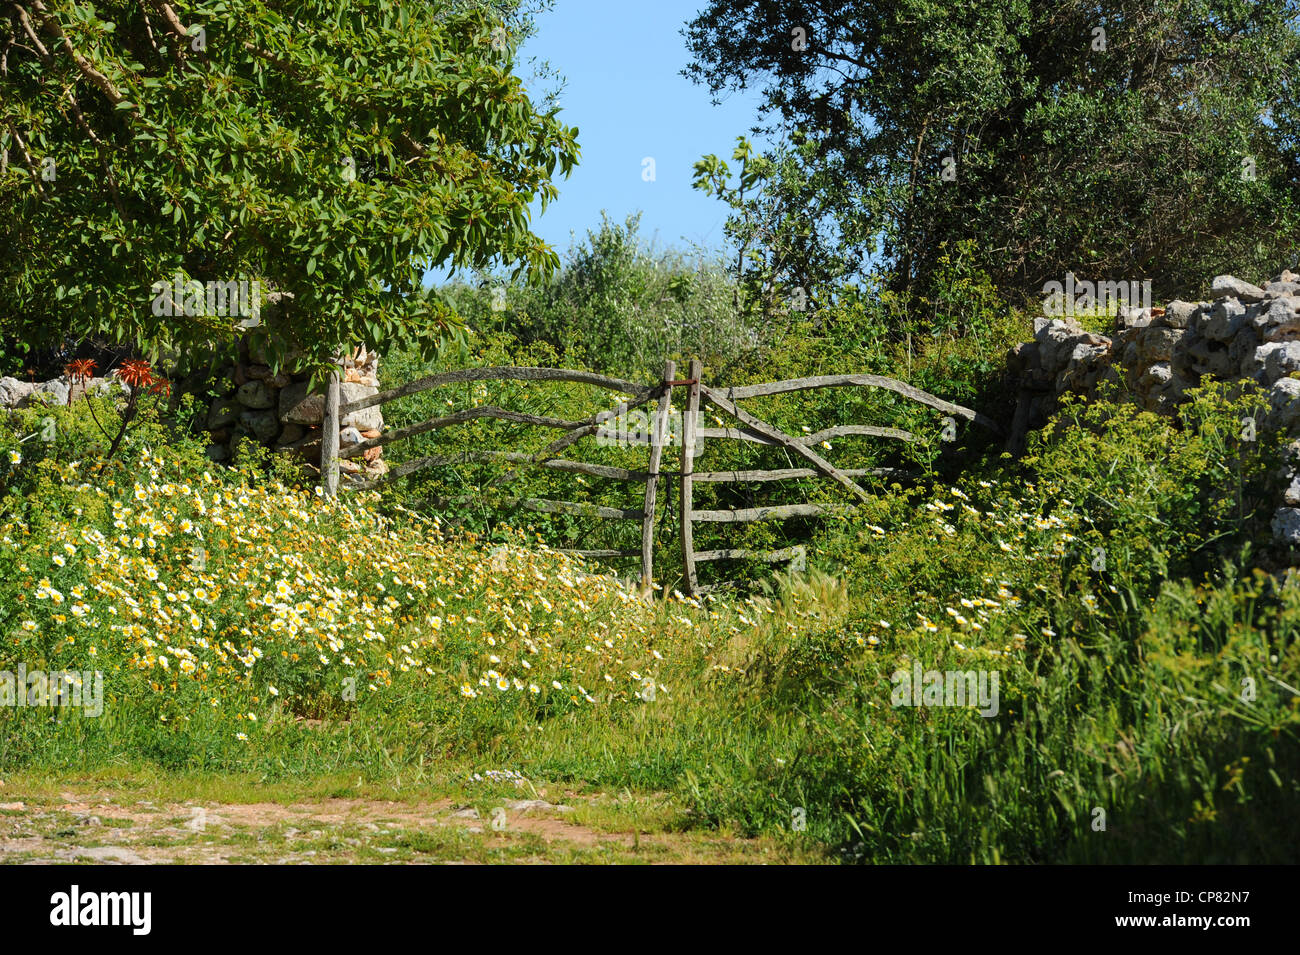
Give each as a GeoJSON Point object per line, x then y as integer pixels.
{"type": "Point", "coordinates": [281, 64]}
{"type": "Point", "coordinates": [743, 434]}
{"type": "Point", "coordinates": [51, 25]}
{"type": "Point", "coordinates": [652, 476]}
{"type": "Point", "coordinates": [26, 23]}
{"type": "Point", "coordinates": [174, 25]}
{"type": "Point", "coordinates": [578, 509]}
{"type": "Point", "coordinates": [28, 162]}
{"type": "Point", "coordinates": [515, 457]}
{"type": "Point", "coordinates": [689, 449]}
{"type": "Point", "coordinates": [785, 474]}
{"type": "Point", "coordinates": [873, 381]}
{"type": "Point", "coordinates": [329, 440]}
{"type": "Point", "coordinates": [463, 375]}
{"type": "Point", "coordinates": [459, 417]}
{"type": "Point", "coordinates": [796, 552]}
{"type": "Point", "coordinates": [776, 512]}
{"type": "Point", "coordinates": [785, 440]}
{"type": "Point", "coordinates": [110, 178]}
{"type": "Point", "coordinates": [840, 431]}
{"type": "Point", "coordinates": [589, 426]}
{"type": "Point", "coordinates": [598, 553]}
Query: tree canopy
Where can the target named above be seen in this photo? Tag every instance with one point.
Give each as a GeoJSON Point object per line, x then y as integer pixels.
{"type": "Point", "coordinates": [1120, 138]}
{"type": "Point", "coordinates": [330, 151]}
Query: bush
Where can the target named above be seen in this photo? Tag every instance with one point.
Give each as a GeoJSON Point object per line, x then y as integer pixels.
{"type": "Point", "coordinates": [1148, 690]}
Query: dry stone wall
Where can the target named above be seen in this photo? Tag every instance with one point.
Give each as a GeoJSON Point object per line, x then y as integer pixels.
{"type": "Point", "coordinates": [1242, 331]}
{"type": "Point", "coordinates": [278, 410]}
{"type": "Point", "coordinates": [282, 411]}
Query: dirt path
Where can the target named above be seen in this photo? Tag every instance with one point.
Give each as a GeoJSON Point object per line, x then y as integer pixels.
{"type": "Point", "coordinates": [105, 826]}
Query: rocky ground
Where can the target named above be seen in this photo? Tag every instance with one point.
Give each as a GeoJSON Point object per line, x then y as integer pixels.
{"type": "Point", "coordinates": [117, 824]}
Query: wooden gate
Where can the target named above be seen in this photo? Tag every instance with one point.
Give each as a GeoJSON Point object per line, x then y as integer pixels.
{"type": "Point", "coordinates": [748, 428]}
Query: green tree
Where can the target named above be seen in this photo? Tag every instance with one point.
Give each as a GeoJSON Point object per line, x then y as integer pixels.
{"type": "Point", "coordinates": [789, 254]}
{"type": "Point", "coordinates": [330, 151]}
{"type": "Point", "coordinates": [1121, 138]}
{"type": "Point", "coordinates": [619, 306]}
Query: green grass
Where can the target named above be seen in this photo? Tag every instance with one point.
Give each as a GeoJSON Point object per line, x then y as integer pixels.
{"type": "Point", "coordinates": [1157, 693]}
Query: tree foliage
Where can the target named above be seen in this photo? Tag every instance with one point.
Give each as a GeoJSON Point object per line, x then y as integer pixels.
{"type": "Point", "coordinates": [330, 151]}
{"type": "Point", "coordinates": [789, 253]}
{"type": "Point", "coordinates": [620, 306]}
{"type": "Point", "coordinates": [1114, 138]}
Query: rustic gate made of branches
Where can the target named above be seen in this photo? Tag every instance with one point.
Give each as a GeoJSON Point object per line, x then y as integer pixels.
{"type": "Point", "coordinates": [750, 428]}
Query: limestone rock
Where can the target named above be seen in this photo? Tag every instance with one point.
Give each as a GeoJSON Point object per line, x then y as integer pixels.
{"type": "Point", "coordinates": [1157, 344]}
{"type": "Point", "coordinates": [299, 407]}
{"type": "Point", "coordinates": [1157, 376]}
{"type": "Point", "coordinates": [1280, 320]}
{"type": "Point", "coordinates": [1211, 358]}
{"type": "Point", "coordinates": [1226, 316]}
{"type": "Point", "coordinates": [222, 413]}
{"type": "Point", "coordinates": [1286, 525]}
{"type": "Point", "coordinates": [1276, 360]}
{"type": "Point", "coordinates": [255, 394]}
{"type": "Point", "coordinates": [1241, 353]}
{"type": "Point", "coordinates": [261, 424]}
{"type": "Point", "coordinates": [1291, 496]}
{"type": "Point", "coordinates": [290, 433]}
{"type": "Point", "coordinates": [1225, 286]}
{"type": "Point", "coordinates": [1178, 314]}
{"type": "Point", "coordinates": [13, 391]}
{"type": "Point", "coordinates": [1284, 402]}
{"type": "Point", "coordinates": [53, 392]}
{"type": "Point", "coordinates": [366, 419]}
{"type": "Point", "coordinates": [1131, 316]}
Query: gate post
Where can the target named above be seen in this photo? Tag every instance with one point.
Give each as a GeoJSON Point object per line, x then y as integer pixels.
{"type": "Point", "coordinates": [658, 435]}
{"type": "Point", "coordinates": [329, 439]}
{"type": "Point", "coordinates": [688, 467]}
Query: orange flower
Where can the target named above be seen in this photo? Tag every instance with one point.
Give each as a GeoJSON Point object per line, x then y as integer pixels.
{"type": "Point", "coordinates": [81, 370]}
{"type": "Point", "coordinates": [136, 373]}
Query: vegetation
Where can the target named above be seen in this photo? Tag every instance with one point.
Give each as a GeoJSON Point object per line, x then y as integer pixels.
{"type": "Point", "coordinates": [1118, 139]}
{"type": "Point", "coordinates": [1128, 627]}
{"type": "Point", "coordinates": [247, 629]}
{"type": "Point", "coordinates": [330, 159]}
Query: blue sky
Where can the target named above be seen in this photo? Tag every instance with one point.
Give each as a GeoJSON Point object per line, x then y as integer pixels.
{"type": "Point", "coordinates": [624, 91]}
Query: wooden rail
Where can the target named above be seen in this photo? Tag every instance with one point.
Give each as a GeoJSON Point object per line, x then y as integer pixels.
{"type": "Point", "coordinates": [749, 428]}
